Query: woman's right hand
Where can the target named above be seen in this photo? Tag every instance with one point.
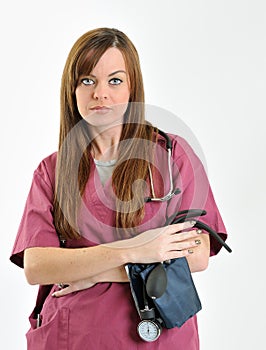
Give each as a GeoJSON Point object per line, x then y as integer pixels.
{"type": "Point", "coordinates": [160, 244]}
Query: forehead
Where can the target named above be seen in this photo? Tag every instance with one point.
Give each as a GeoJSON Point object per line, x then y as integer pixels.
{"type": "Point", "coordinates": [111, 61]}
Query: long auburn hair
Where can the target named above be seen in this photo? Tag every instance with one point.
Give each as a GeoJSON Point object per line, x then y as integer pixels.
{"type": "Point", "coordinates": [73, 159]}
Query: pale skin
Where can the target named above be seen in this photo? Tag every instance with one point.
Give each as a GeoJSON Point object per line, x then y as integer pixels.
{"type": "Point", "coordinates": [102, 98]}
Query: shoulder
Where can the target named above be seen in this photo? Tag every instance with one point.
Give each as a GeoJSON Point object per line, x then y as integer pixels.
{"type": "Point", "coordinates": [46, 169]}
{"type": "Point", "coordinates": [180, 147]}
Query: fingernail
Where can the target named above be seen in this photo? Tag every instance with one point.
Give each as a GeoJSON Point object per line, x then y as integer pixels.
{"type": "Point", "coordinates": [192, 222]}
{"type": "Point", "coordinates": [190, 251]}
{"type": "Point", "coordinates": [199, 231]}
{"type": "Point", "coordinates": [54, 295]}
{"type": "Point", "coordinates": [198, 241]}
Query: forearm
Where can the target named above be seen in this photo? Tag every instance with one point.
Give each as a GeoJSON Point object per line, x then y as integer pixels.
{"type": "Point", "coordinates": [60, 265]}
{"type": "Point", "coordinates": [57, 265]}
{"type": "Point", "coordinates": [117, 274]}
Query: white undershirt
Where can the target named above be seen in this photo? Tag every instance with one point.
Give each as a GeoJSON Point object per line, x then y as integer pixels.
{"type": "Point", "coordinates": [105, 169]}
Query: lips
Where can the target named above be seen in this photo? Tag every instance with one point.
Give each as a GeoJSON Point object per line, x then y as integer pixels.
{"type": "Point", "coordinates": [100, 108]}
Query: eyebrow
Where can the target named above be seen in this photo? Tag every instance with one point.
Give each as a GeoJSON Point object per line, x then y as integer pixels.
{"type": "Point", "coordinates": [111, 74]}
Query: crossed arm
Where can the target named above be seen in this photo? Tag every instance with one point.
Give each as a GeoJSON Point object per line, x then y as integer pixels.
{"type": "Point", "coordinates": [81, 268]}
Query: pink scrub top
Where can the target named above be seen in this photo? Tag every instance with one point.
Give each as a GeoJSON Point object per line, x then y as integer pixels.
{"type": "Point", "coordinates": [104, 316]}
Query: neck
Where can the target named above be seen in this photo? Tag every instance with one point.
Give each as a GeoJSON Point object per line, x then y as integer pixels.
{"type": "Point", "coordinates": [104, 143]}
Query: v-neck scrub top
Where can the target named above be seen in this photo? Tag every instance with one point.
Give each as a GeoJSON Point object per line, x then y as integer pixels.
{"type": "Point", "coordinates": [104, 316]}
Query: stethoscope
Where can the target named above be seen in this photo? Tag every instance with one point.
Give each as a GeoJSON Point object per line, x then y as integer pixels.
{"type": "Point", "coordinates": [186, 214]}
{"type": "Point", "coordinates": [171, 192]}
{"type": "Point", "coordinates": [150, 326]}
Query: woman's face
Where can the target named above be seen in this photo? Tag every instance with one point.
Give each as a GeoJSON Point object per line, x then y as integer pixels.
{"type": "Point", "coordinates": [103, 95]}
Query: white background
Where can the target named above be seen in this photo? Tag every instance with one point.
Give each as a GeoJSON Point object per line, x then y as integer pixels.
{"type": "Point", "coordinates": [202, 60]}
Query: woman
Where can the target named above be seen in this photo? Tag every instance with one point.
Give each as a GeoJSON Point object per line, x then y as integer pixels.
{"type": "Point", "coordinates": [91, 194]}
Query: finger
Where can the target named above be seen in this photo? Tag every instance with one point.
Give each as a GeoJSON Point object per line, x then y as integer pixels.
{"type": "Point", "coordinates": [175, 254]}
{"type": "Point", "coordinates": [174, 228]}
{"type": "Point", "coordinates": [188, 244]}
{"type": "Point", "coordinates": [63, 292]}
{"type": "Point", "coordinates": [186, 235]}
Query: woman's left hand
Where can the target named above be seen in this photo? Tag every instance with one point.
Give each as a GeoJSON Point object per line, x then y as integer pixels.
{"type": "Point", "coordinates": [73, 287]}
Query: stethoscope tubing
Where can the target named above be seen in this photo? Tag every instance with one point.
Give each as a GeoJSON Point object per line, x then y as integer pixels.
{"type": "Point", "coordinates": [171, 192]}
{"type": "Point", "coordinates": [185, 215]}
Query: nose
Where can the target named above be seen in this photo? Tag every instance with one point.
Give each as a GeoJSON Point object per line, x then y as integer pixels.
{"type": "Point", "coordinates": [100, 92]}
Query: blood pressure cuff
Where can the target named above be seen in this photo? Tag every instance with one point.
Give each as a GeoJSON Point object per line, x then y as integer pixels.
{"type": "Point", "coordinates": [178, 303]}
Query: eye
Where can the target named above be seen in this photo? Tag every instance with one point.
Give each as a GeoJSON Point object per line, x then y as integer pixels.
{"type": "Point", "coordinates": [87, 81]}
{"type": "Point", "coordinates": [115, 81]}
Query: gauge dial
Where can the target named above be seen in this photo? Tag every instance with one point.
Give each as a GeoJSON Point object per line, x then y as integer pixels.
{"type": "Point", "coordinates": [149, 330]}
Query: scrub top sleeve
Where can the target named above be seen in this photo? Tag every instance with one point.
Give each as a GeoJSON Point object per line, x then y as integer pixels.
{"type": "Point", "coordinates": [36, 228]}
{"type": "Point", "coordinates": [196, 193]}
